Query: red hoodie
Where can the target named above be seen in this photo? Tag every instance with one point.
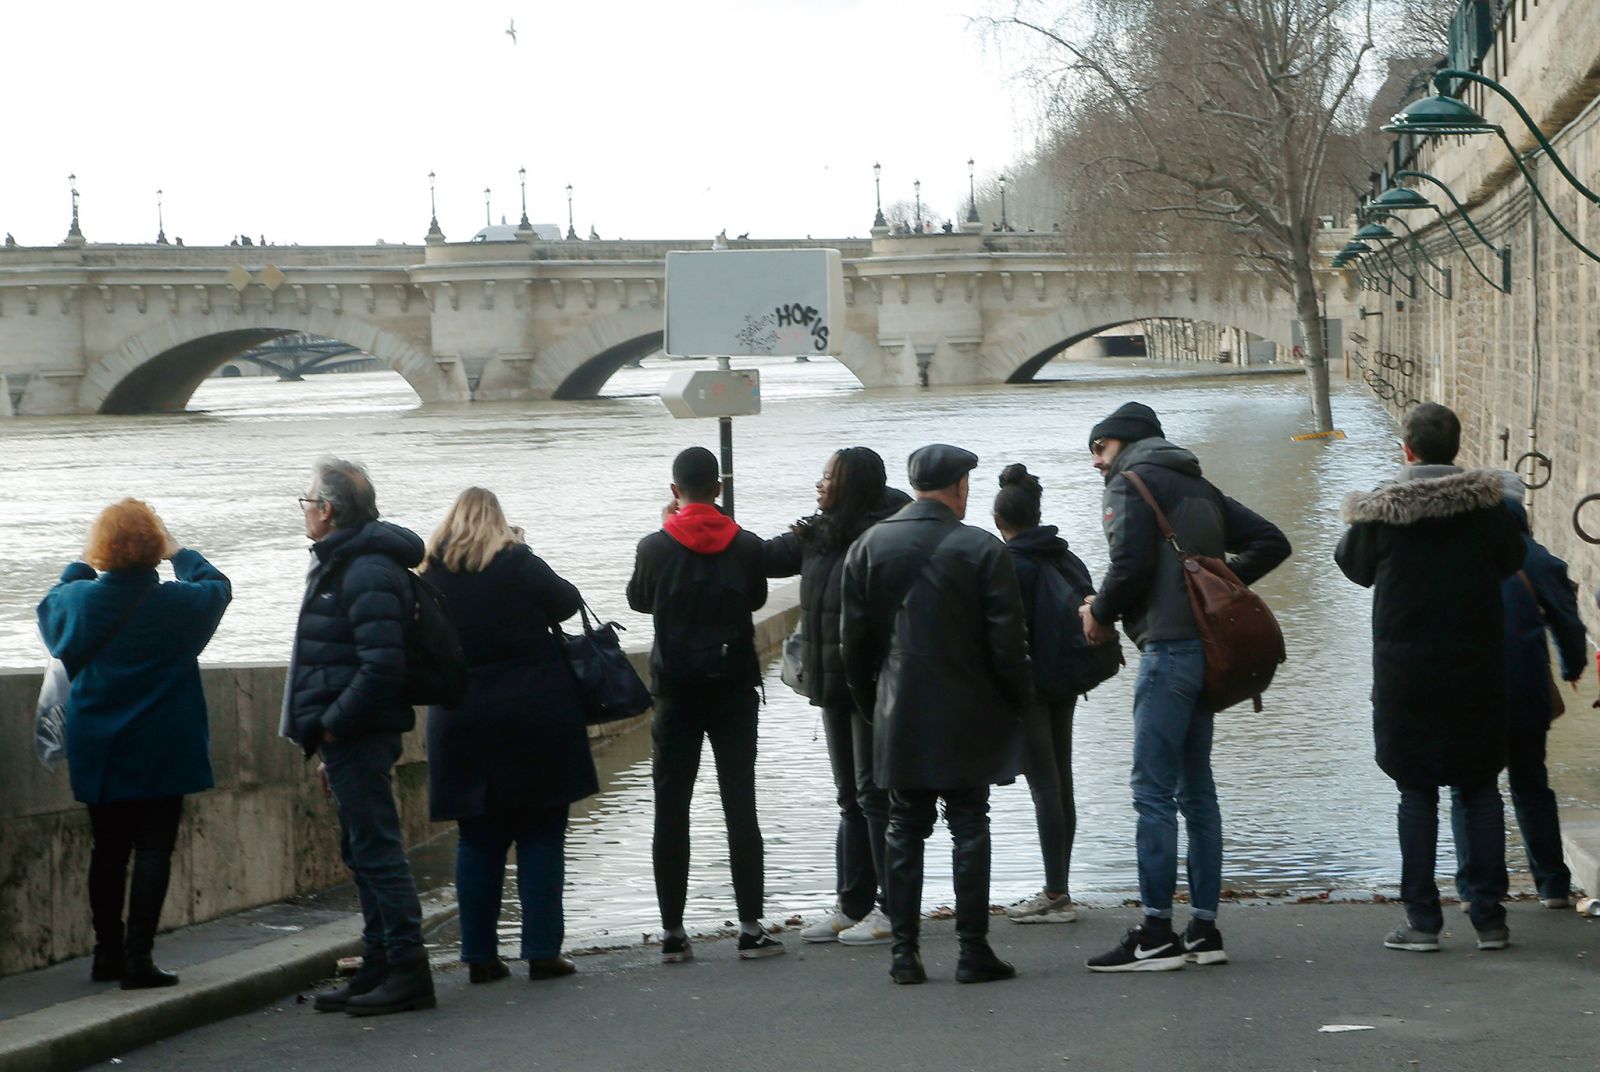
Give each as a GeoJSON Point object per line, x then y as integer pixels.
{"type": "Point", "coordinates": [701, 528]}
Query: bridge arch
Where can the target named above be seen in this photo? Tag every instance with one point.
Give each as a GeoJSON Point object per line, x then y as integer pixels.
{"type": "Point", "coordinates": [1020, 355]}
{"type": "Point", "coordinates": [159, 369]}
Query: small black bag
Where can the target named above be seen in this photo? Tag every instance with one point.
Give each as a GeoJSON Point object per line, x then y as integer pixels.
{"type": "Point", "coordinates": [608, 686]}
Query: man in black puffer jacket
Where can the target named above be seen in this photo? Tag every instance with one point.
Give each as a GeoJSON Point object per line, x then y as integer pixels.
{"type": "Point", "coordinates": [345, 700]}
{"type": "Point", "coordinates": [700, 577]}
{"type": "Point", "coordinates": [1172, 728]}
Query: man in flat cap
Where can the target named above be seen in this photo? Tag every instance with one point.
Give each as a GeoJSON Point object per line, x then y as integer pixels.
{"type": "Point", "coordinates": [1144, 587]}
{"type": "Point", "coordinates": [936, 656]}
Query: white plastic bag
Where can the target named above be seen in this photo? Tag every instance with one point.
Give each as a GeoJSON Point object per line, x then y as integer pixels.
{"type": "Point", "coordinates": [50, 716]}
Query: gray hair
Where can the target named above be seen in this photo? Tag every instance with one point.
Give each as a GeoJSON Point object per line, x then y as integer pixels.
{"type": "Point", "coordinates": [347, 488]}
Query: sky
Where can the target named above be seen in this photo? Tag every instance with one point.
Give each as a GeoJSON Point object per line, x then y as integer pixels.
{"type": "Point", "coordinates": [318, 123]}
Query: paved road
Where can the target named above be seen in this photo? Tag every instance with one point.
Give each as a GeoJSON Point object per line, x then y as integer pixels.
{"type": "Point", "coordinates": [1295, 969]}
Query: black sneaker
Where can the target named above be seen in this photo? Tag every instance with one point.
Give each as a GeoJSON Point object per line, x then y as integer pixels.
{"type": "Point", "coordinates": [1142, 950]}
{"type": "Point", "coordinates": [675, 949]}
{"type": "Point", "coordinates": [757, 946]}
{"type": "Point", "coordinates": [1202, 943]}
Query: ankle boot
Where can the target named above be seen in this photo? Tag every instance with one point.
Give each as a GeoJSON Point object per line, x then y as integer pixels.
{"type": "Point", "coordinates": [139, 972]}
{"type": "Point", "coordinates": [551, 967]}
{"type": "Point", "coordinates": [906, 967]}
{"type": "Point", "coordinates": [408, 986]}
{"type": "Point", "coordinates": [488, 972]}
{"type": "Point", "coordinates": [107, 964]}
{"type": "Point", "coordinates": [366, 979]}
{"type": "Point", "coordinates": [978, 964]}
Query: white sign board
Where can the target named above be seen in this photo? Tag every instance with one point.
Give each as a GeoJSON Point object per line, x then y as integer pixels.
{"type": "Point", "coordinates": [713, 393]}
{"type": "Point", "coordinates": [754, 303]}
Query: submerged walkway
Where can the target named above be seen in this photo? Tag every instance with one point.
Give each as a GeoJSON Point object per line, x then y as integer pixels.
{"type": "Point", "coordinates": [1296, 970]}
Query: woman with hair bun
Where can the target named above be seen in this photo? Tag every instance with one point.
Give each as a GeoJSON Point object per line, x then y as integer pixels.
{"type": "Point", "coordinates": [138, 740]}
{"type": "Point", "coordinates": [1047, 751]}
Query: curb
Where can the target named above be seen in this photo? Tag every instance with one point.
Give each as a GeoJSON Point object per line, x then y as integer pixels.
{"type": "Point", "coordinates": [1580, 837]}
{"type": "Point", "coordinates": [93, 1029]}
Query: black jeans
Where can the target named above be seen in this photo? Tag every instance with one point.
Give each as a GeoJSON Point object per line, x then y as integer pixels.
{"type": "Point", "coordinates": [149, 830]}
{"type": "Point", "coordinates": [682, 722]}
{"type": "Point", "coordinates": [863, 811]}
{"type": "Point", "coordinates": [1535, 805]}
{"type": "Point", "coordinates": [911, 817]}
{"type": "Point", "coordinates": [1480, 852]}
{"type": "Point", "coordinates": [1047, 764]}
{"type": "Point", "coordinates": [373, 849]}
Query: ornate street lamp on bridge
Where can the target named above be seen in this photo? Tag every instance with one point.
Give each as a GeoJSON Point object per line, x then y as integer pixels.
{"type": "Point", "coordinates": [522, 177]}
{"type": "Point", "coordinates": [572, 232]}
{"type": "Point", "coordinates": [435, 236]}
{"type": "Point", "coordinates": [74, 234]}
{"type": "Point", "coordinates": [877, 186]}
{"type": "Point", "coordinates": [916, 185]}
{"type": "Point", "coordinates": [972, 191]}
{"type": "Point", "coordinates": [161, 222]}
{"type": "Point", "coordinates": [488, 219]}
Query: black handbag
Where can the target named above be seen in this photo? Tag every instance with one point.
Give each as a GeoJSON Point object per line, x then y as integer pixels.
{"type": "Point", "coordinates": [608, 686]}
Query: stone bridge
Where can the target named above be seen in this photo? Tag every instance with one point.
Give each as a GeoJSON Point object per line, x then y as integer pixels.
{"type": "Point", "coordinates": [135, 329]}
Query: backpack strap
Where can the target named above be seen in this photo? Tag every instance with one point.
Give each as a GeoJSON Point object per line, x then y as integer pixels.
{"type": "Point", "coordinates": [1143, 489]}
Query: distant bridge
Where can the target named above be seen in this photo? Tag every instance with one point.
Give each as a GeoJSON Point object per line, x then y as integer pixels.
{"type": "Point", "coordinates": [135, 329]}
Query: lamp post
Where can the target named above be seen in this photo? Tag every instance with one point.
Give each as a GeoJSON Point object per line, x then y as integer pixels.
{"type": "Point", "coordinates": [74, 233]}
{"type": "Point", "coordinates": [572, 232]}
{"type": "Point", "coordinates": [877, 186]}
{"type": "Point", "coordinates": [1402, 199]}
{"type": "Point", "coordinates": [522, 177]}
{"type": "Point", "coordinates": [916, 185]}
{"type": "Point", "coordinates": [488, 220]}
{"type": "Point", "coordinates": [435, 236]}
{"type": "Point", "coordinates": [972, 191]}
{"type": "Point", "coordinates": [161, 222]}
{"type": "Point", "coordinates": [1005, 224]}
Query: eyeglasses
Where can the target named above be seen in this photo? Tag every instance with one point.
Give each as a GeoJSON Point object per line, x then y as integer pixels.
{"type": "Point", "coordinates": [306, 504]}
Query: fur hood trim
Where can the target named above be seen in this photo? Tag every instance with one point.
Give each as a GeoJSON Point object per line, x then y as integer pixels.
{"type": "Point", "coordinates": [1410, 501]}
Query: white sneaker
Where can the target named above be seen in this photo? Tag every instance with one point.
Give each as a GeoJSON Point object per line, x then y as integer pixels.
{"type": "Point", "coordinates": [874, 929]}
{"type": "Point", "coordinates": [828, 928]}
{"type": "Point", "coordinates": [1042, 908]}
{"type": "Point", "coordinates": [1556, 902]}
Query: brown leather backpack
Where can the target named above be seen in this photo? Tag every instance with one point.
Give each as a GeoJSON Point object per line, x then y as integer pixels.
{"type": "Point", "coordinates": [1238, 634]}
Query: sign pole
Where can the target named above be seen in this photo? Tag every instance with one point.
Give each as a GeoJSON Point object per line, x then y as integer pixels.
{"type": "Point", "coordinates": [725, 427]}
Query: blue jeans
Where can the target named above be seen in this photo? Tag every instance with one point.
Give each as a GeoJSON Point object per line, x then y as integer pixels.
{"type": "Point", "coordinates": [1480, 851]}
{"type": "Point", "coordinates": [1537, 817]}
{"type": "Point", "coordinates": [540, 835]}
{"type": "Point", "coordinates": [370, 842]}
{"type": "Point", "coordinates": [1172, 773]}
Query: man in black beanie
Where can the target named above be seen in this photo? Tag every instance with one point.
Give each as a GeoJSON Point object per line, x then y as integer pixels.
{"type": "Point", "coordinates": [700, 576]}
{"type": "Point", "coordinates": [936, 656]}
{"type": "Point", "coordinates": [1144, 587]}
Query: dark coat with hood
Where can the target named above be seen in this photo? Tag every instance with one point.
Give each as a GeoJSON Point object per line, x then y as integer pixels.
{"type": "Point", "coordinates": [817, 555]}
{"type": "Point", "coordinates": [936, 655]}
{"type": "Point", "coordinates": [518, 740]}
{"type": "Point", "coordinates": [1434, 547]}
{"type": "Point", "coordinates": [1144, 583]}
{"type": "Point", "coordinates": [136, 714]}
{"type": "Point", "coordinates": [700, 577]}
{"type": "Point", "coordinates": [1546, 600]}
{"type": "Point", "coordinates": [348, 665]}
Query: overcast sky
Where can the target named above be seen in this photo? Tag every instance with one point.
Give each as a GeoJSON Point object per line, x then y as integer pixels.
{"type": "Point", "coordinates": [318, 122]}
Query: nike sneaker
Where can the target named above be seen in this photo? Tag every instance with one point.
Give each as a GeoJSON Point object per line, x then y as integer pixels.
{"type": "Point", "coordinates": [1142, 949]}
{"type": "Point", "coordinates": [1411, 940]}
{"type": "Point", "coordinates": [1202, 943]}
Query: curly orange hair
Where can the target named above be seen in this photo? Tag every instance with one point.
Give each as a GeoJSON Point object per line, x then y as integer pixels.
{"type": "Point", "coordinates": [125, 535]}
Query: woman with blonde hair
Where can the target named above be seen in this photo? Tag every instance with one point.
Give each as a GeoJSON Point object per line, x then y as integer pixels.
{"type": "Point", "coordinates": [137, 737]}
{"type": "Point", "coordinates": [507, 762]}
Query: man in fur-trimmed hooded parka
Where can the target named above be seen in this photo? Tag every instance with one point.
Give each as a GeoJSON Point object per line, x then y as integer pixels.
{"type": "Point", "coordinates": [1434, 546]}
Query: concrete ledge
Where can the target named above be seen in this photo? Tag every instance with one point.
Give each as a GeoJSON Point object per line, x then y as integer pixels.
{"type": "Point", "coordinates": [94, 1029]}
{"type": "Point", "coordinates": [1580, 838]}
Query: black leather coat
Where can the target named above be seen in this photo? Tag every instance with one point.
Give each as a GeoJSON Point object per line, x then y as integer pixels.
{"type": "Point", "coordinates": [943, 676]}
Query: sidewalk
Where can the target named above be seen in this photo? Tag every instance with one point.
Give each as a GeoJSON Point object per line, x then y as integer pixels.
{"type": "Point", "coordinates": [1296, 970]}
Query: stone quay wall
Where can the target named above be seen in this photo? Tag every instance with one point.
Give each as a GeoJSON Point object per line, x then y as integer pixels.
{"type": "Point", "coordinates": [265, 833]}
{"type": "Point", "coordinates": [1522, 369]}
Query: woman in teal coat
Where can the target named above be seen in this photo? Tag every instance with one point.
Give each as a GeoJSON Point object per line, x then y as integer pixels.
{"type": "Point", "coordinates": [136, 732]}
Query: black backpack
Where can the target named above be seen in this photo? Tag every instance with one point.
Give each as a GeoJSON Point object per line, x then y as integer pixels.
{"type": "Point", "coordinates": [1065, 664]}
{"type": "Point", "coordinates": [436, 667]}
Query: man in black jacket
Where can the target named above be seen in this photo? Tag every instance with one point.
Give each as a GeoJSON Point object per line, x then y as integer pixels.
{"type": "Point", "coordinates": [700, 578]}
{"type": "Point", "coordinates": [345, 700]}
{"type": "Point", "coordinates": [1144, 587]}
{"type": "Point", "coordinates": [936, 656]}
{"type": "Point", "coordinates": [1435, 546]}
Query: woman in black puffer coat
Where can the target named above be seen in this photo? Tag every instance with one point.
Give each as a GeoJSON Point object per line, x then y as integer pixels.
{"type": "Point", "coordinates": [508, 761]}
{"type": "Point", "coordinates": [852, 496]}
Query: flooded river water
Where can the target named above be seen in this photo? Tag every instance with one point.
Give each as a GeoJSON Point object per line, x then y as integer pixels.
{"type": "Point", "coordinates": [1304, 806]}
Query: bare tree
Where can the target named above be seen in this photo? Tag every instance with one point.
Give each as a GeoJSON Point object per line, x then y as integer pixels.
{"type": "Point", "coordinates": [1229, 118]}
